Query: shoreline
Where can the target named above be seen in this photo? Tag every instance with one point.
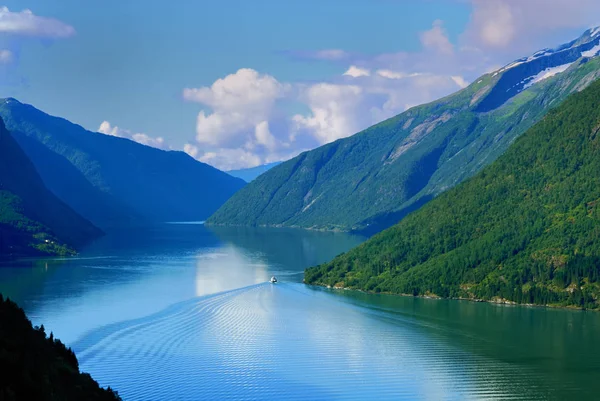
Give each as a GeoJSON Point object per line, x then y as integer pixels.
{"type": "Point", "coordinates": [474, 300]}
{"type": "Point", "coordinates": [318, 229]}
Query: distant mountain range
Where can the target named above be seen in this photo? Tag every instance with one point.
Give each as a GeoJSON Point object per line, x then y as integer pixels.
{"type": "Point", "coordinates": [525, 229]}
{"type": "Point", "coordinates": [371, 180]}
{"type": "Point", "coordinates": [112, 181]}
{"type": "Point", "coordinates": [250, 174]}
{"type": "Point", "coordinates": [33, 221]}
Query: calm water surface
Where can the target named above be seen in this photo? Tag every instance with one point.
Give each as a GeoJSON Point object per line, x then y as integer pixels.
{"type": "Point", "coordinates": [184, 312]}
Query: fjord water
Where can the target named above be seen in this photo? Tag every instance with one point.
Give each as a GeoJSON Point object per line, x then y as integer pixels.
{"type": "Point", "coordinates": [185, 312]}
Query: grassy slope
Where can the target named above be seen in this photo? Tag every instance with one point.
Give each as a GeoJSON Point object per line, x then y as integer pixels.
{"type": "Point", "coordinates": [524, 229]}
{"type": "Point", "coordinates": [372, 179]}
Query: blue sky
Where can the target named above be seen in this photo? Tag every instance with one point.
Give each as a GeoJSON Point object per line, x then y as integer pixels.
{"type": "Point", "coordinates": [240, 83]}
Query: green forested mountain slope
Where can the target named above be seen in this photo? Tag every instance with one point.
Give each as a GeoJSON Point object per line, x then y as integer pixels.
{"type": "Point", "coordinates": [115, 181]}
{"type": "Point", "coordinates": [525, 229]}
{"type": "Point", "coordinates": [371, 180]}
{"type": "Point", "coordinates": [32, 219]}
{"type": "Point", "coordinates": [39, 367]}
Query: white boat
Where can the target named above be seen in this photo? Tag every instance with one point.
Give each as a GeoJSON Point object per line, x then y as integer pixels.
{"type": "Point", "coordinates": [273, 280]}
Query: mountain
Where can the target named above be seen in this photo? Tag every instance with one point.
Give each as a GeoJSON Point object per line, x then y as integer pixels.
{"type": "Point", "coordinates": [250, 174]}
{"type": "Point", "coordinates": [40, 367]}
{"type": "Point", "coordinates": [32, 219]}
{"type": "Point", "coordinates": [114, 181]}
{"type": "Point", "coordinates": [371, 180]}
{"type": "Point", "coordinates": [525, 229]}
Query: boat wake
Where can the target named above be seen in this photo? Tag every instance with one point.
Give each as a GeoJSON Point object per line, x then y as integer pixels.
{"type": "Point", "coordinates": [283, 341]}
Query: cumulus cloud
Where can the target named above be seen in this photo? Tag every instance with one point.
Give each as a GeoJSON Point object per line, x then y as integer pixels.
{"type": "Point", "coordinates": [191, 150]}
{"type": "Point", "coordinates": [356, 72]}
{"type": "Point", "coordinates": [333, 108]}
{"type": "Point", "coordinates": [16, 28]}
{"type": "Point", "coordinates": [264, 137]}
{"type": "Point", "coordinates": [107, 129]}
{"type": "Point", "coordinates": [243, 126]}
{"type": "Point", "coordinates": [239, 103]}
{"type": "Point", "coordinates": [230, 158]}
{"type": "Point", "coordinates": [25, 23]}
{"type": "Point", "coordinates": [437, 38]}
{"type": "Point", "coordinates": [235, 129]}
{"type": "Point", "coordinates": [518, 24]}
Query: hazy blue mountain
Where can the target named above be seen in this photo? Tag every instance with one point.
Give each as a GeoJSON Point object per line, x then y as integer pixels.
{"type": "Point", "coordinates": [371, 180]}
{"type": "Point", "coordinates": [525, 229]}
{"type": "Point", "coordinates": [115, 181]}
{"type": "Point", "coordinates": [250, 174]}
{"type": "Point", "coordinates": [32, 219]}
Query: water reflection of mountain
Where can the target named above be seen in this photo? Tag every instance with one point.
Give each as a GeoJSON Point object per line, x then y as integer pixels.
{"type": "Point", "coordinates": [120, 256]}
{"type": "Point", "coordinates": [288, 249]}
{"type": "Point", "coordinates": [19, 279]}
{"type": "Point", "coordinates": [161, 239]}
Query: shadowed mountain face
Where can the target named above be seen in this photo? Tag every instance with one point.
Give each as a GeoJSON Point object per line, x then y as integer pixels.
{"type": "Point", "coordinates": [114, 181]}
{"type": "Point", "coordinates": [32, 219]}
{"type": "Point", "coordinates": [373, 179]}
{"type": "Point", "coordinates": [525, 229]}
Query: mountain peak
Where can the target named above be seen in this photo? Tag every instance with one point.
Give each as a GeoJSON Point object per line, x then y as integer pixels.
{"type": "Point", "coordinates": [522, 73]}
{"type": "Point", "coordinates": [9, 100]}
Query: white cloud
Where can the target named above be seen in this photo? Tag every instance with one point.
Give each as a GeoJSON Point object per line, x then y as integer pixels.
{"type": "Point", "coordinates": [144, 139]}
{"type": "Point", "coordinates": [460, 81]}
{"type": "Point", "coordinates": [403, 91]}
{"type": "Point", "coordinates": [396, 74]}
{"type": "Point", "coordinates": [158, 142]}
{"type": "Point", "coordinates": [333, 109]}
{"type": "Point", "coordinates": [230, 158]}
{"type": "Point", "coordinates": [244, 126]}
{"type": "Point", "coordinates": [25, 23]}
{"type": "Point", "coordinates": [494, 22]}
{"type": "Point", "coordinates": [107, 129]}
{"type": "Point", "coordinates": [356, 72]}
{"type": "Point", "coordinates": [6, 56]}
{"type": "Point", "coordinates": [236, 130]}
{"type": "Point", "coordinates": [191, 150]}
{"type": "Point", "coordinates": [264, 136]}
{"type": "Point", "coordinates": [519, 25]}
{"type": "Point", "coordinates": [437, 38]}
{"type": "Point", "coordinates": [239, 102]}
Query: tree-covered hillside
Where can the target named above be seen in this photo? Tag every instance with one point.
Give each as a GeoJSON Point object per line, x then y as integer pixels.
{"type": "Point", "coordinates": [371, 180]}
{"type": "Point", "coordinates": [525, 229]}
{"type": "Point", "coordinates": [32, 219]}
{"type": "Point", "coordinates": [39, 367]}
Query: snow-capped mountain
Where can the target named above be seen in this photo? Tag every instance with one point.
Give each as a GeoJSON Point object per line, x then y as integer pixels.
{"type": "Point", "coordinates": [527, 71]}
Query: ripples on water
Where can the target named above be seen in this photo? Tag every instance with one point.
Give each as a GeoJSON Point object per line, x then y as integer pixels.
{"type": "Point", "coordinates": [279, 342]}
{"type": "Point", "coordinates": [183, 313]}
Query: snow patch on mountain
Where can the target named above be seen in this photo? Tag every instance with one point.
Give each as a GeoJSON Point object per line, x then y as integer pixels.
{"type": "Point", "coordinates": [547, 73]}
{"type": "Point", "coordinates": [593, 33]}
{"type": "Point", "coordinates": [525, 72]}
{"type": "Point", "coordinates": [592, 52]}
